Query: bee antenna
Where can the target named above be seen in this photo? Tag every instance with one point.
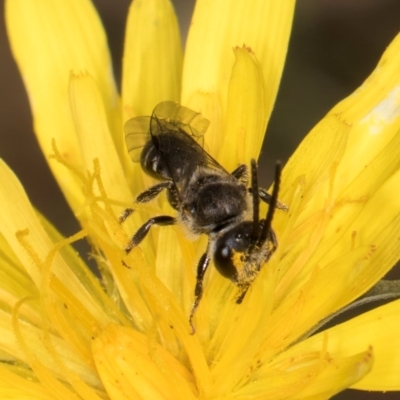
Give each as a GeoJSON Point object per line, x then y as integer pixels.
{"type": "Point", "coordinates": [272, 204]}
{"type": "Point", "coordinates": [256, 199]}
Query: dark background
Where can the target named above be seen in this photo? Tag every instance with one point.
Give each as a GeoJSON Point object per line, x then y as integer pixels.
{"type": "Point", "coordinates": [335, 45]}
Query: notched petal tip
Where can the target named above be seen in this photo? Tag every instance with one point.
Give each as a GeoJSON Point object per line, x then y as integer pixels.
{"type": "Point", "coordinates": [245, 119]}
{"type": "Point", "coordinates": [48, 40]}
{"type": "Point", "coordinates": [152, 62]}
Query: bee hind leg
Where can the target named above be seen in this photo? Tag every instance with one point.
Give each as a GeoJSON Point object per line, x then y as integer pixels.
{"type": "Point", "coordinates": [142, 232]}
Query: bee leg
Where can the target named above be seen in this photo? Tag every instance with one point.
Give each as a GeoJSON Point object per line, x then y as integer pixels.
{"type": "Point", "coordinates": [146, 196]}
{"type": "Point", "coordinates": [173, 197]}
{"type": "Point", "coordinates": [142, 232]}
{"type": "Point", "coordinates": [198, 291]}
{"type": "Point", "coordinates": [153, 191]}
{"type": "Point", "coordinates": [266, 198]}
{"type": "Point", "coordinates": [125, 214]}
{"type": "Point", "coordinates": [242, 293]}
{"type": "Point", "coordinates": [241, 173]}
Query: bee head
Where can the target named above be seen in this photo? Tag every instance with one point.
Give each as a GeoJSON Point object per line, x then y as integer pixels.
{"type": "Point", "coordinates": [237, 252]}
{"type": "Point", "coordinates": [240, 251]}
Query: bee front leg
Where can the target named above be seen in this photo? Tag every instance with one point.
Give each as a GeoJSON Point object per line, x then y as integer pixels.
{"type": "Point", "coordinates": [142, 232]}
{"type": "Point", "coordinates": [153, 191]}
{"type": "Point", "coordinates": [198, 291]}
{"type": "Point", "coordinates": [146, 196]}
{"type": "Point", "coordinates": [241, 173]}
{"type": "Point", "coordinates": [266, 198]}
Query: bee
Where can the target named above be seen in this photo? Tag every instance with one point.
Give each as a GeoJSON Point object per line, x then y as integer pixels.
{"type": "Point", "coordinates": [208, 199]}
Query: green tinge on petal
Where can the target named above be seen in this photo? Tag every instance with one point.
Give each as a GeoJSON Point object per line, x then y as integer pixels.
{"type": "Point", "coordinates": [217, 28]}
{"type": "Point", "coordinates": [16, 219]}
{"type": "Point", "coordinates": [245, 120]}
{"type": "Point", "coordinates": [132, 366]}
{"type": "Point", "coordinates": [47, 354]}
{"type": "Point", "coordinates": [94, 136]}
{"type": "Point", "coordinates": [49, 40]}
{"type": "Point", "coordinates": [152, 57]}
{"type": "Point", "coordinates": [14, 386]}
{"type": "Point", "coordinates": [16, 285]}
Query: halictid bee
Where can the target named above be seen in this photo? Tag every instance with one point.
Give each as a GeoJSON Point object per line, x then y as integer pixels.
{"type": "Point", "coordinates": [208, 199]}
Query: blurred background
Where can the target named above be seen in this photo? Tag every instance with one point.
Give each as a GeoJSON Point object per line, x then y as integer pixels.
{"type": "Point", "coordinates": [335, 45]}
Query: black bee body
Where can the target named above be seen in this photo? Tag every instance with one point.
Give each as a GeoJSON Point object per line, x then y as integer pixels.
{"type": "Point", "coordinates": [208, 199]}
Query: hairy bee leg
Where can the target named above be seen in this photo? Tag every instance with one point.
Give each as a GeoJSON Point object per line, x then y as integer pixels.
{"type": "Point", "coordinates": [146, 196]}
{"type": "Point", "coordinates": [242, 293]}
{"type": "Point", "coordinates": [142, 232]}
{"type": "Point", "coordinates": [125, 214]}
{"type": "Point", "coordinates": [153, 191]}
{"type": "Point", "coordinates": [241, 173]}
{"type": "Point", "coordinates": [198, 290]}
{"type": "Point", "coordinates": [173, 197]}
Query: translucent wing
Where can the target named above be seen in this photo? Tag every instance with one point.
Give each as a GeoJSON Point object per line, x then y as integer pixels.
{"type": "Point", "coordinates": [177, 117]}
{"type": "Point", "coordinates": [137, 134]}
{"type": "Point", "coordinates": [167, 116]}
{"type": "Point", "coordinates": [176, 132]}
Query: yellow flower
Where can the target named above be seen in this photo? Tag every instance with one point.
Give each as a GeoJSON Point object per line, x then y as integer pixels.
{"type": "Point", "coordinates": [67, 334]}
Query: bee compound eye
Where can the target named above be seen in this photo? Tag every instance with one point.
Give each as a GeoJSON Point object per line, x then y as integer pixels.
{"type": "Point", "coordinates": [225, 252]}
{"type": "Point", "coordinates": [223, 260]}
{"type": "Point", "coordinates": [231, 249]}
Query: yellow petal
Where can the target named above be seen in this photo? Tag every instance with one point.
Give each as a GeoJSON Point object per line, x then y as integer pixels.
{"type": "Point", "coordinates": [245, 120]}
{"type": "Point", "coordinates": [379, 329]}
{"type": "Point", "coordinates": [363, 252]}
{"type": "Point", "coordinates": [237, 336]}
{"type": "Point", "coordinates": [48, 355]}
{"type": "Point", "coordinates": [305, 373]}
{"type": "Point", "coordinates": [355, 131]}
{"type": "Point", "coordinates": [94, 136]}
{"type": "Point", "coordinates": [30, 243]}
{"type": "Point", "coordinates": [49, 40]}
{"type": "Point", "coordinates": [217, 28]}
{"type": "Point", "coordinates": [152, 57]}
{"type": "Point", "coordinates": [13, 386]}
{"type": "Point", "coordinates": [347, 167]}
{"type": "Point", "coordinates": [132, 366]}
{"type": "Point", "coordinates": [152, 65]}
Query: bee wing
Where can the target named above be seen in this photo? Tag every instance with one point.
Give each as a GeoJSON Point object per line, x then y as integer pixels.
{"type": "Point", "coordinates": [177, 132]}
{"type": "Point", "coordinates": [176, 117]}
{"type": "Point", "coordinates": [137, 134]}
{"type": "Point", "coordinates": [167, 116]}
